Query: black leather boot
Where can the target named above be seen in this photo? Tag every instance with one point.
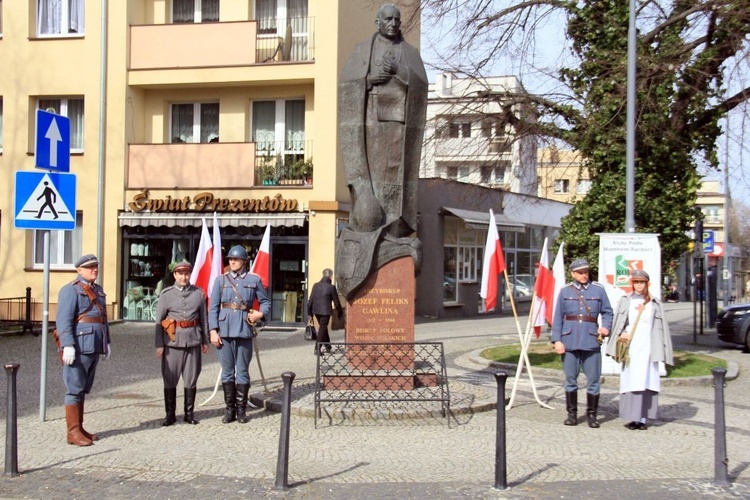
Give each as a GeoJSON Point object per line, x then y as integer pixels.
{"type": "Point", "coordinates": [242, 390]}
{"type": "Point", "coordinates": [170, 405]}
{"type": "Point", "coordinates": [571, 405]}
{"type": "Point", "coordinates": [230, 414]}
{"type": "Point", "coordinates": [190, 406]}
{"type": "Point", "coordinates": [592, 405]}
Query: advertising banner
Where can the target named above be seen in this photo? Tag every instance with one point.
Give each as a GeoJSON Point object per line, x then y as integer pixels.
{"type": "Point", "coordinates": [619, 254]}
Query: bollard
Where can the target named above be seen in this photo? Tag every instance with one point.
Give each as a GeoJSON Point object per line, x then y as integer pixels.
{"type": "Point", "coordinates": [11, 427]}
{"type": "Point", "coordinates": [282, 462]}
{"type": "Point", "coordinates": [27, 325]}
{"type": "Point", "coordinates": [720, 431]}
{"type": "Point", "coordinates": [501, 473]}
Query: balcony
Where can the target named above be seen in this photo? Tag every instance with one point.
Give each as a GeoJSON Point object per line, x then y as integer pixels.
{"type": "Point", "coordinates": [174, 54]}
{"type": "Point", "coordinates": [191, 166]}
{"type": "Point", "coordinates": [474, 148]}
{"type": "Point", "coordinates": [284, 163]}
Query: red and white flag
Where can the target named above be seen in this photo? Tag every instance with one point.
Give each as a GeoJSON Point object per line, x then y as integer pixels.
{"type": "Point", "coordinates": [208, 261]}
{"type": "Point", "coordinates": [262, 263]}
{"type": "Point", "coordinates": [558, 273]}
{"type": "Point", "coordinates": [493, 266]}
{"type": "Point", "coordinates": [544, 291]}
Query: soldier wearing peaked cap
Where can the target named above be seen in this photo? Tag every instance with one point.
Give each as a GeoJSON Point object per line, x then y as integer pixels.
{"type": "Point", "coordinates": [83, 335]}
{"type": "Point", "coordinates": [577, 335]}
{"type": "Point", "coordinates": [181, 337]}
{"type": "Point", "coordinates": [230, 320]}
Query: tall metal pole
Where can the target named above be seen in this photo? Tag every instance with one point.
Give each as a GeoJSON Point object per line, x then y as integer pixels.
{"type": "Point", "coordinates": [727, 271]}
{"type": "Point", "coordinates": [101, 185]}
{"type": "Point", "coordinates": [630, 141]}
{"type": "Point", "coordinates": [45, 333]}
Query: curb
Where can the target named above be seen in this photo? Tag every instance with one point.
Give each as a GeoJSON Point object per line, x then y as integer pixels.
{"type": "Point", "coordinates": [608, 380]}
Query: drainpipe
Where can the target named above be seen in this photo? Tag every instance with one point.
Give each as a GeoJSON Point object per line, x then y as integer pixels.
{"type": "Point", "coordinates": [102, 141]}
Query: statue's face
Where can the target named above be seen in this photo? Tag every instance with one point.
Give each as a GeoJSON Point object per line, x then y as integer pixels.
{"type": "Point", "coordinates": [389, 21]}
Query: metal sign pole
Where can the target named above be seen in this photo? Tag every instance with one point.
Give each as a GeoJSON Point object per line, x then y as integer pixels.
{"type": "Point", "coordinates": [45, 331]}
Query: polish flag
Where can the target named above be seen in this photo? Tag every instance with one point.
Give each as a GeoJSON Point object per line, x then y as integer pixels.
{"type": "Point", "coordinates": [558, 276]}
{"type": "Point", "coordinates": [262, 263]}
{"type": "Point", "coordinates": [208, 262]}
{"type": "Point", "coordinates": [493, 266]}
{"type": "Point", "coordinates": [544, 292]}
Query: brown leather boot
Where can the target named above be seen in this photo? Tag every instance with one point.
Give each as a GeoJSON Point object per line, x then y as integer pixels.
{"type": "Point", "coordinates": [74, 426]}
{"type": "Point", "coordinates": [92, 437]}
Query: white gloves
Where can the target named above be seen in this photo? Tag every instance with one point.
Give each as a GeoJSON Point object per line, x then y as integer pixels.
{"type": "Point", "coordinates": [106, 355]}
{"type": "Point", "coordinates": [69, 355]}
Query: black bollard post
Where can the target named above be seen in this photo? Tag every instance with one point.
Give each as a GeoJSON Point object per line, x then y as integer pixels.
{"type": "Point", "coordinates": [720, 431]}
{"type": "Point", "coordinates": [282, 461]}
{"type": "Point", "coordinates": [11, 425]}
{"type": "Point", "coordinates": [27, 322]}
{"type": "Point", "coordinates": [501, 472]}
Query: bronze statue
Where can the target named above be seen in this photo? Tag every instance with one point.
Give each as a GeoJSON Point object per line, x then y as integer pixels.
{"type": "Point", "coordinates": [382, 106]}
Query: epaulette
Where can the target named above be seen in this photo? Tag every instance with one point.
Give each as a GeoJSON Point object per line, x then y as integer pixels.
{"type": "Point", "coordinates": [168, 288]}
{"type": "Point", "coordinates": [597, 284]}
{"type": "Point", "coordinates": [254, 274]}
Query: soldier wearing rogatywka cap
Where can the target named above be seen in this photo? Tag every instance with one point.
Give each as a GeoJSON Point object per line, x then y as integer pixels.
{"type": "Point", "coordinates": [577, 335]}
{"type": "Point", "coordinates": [181, 337]}
{"type": "Point", "coordinates": [83, 334]}
{"type": "Point", "coordinates": [230, 320]}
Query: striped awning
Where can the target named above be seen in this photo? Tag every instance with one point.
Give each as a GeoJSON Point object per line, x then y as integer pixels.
{"type": "Point", "coordinates": [481, 220]}
{"type": "Point", "coordinates": [148, 219]}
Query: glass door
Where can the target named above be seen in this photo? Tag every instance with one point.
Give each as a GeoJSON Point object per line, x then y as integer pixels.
{"type": "Point", "coordinates": [288, 282]}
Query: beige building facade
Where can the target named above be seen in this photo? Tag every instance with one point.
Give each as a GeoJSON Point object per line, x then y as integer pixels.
{"type": "Point", "coordinates": [561, 175]}
{"type": "Point", "coordinates": [179, 109]}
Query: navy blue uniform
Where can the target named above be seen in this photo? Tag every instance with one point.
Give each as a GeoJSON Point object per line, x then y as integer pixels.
{"type": "Point", "coordinates": [575, 325]}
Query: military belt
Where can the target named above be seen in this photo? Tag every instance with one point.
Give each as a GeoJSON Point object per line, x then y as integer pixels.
{"type": "Point", "coordinates": [90, 319]}
{"type": "Point", "coordinates": [187, 324]}
{"type": "Point", "coordinates": [233, 305]}
{"type": "Point", "coordinates": [581, 318]}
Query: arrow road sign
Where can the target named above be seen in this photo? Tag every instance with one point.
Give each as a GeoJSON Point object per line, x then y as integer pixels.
{"type": "Point", "coordinates": [52, 145]}
{"type": "Point", "coordinates": [45, 201]}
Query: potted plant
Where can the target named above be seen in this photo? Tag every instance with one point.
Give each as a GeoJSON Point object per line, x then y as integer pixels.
{"type": "Point", "coordinates": [307, 171]}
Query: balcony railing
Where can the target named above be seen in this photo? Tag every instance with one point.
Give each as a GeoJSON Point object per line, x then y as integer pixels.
{"type": "Point", "coordinates": [474, 147]}
{"type": "Point", "coordinates": [285, 39]}
{"type": "Point", "coordinates": [283, 163]}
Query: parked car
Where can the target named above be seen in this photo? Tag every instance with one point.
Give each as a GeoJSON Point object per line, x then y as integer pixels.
{"type": "Point", "coordinates": [733, 324]}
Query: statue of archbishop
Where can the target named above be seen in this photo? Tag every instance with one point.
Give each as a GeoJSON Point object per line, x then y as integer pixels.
{"type": "Point", "coordinates": [382, 107]}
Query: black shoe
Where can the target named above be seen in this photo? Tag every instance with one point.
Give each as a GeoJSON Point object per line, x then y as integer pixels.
{"type": "Point", "coordinates": [631, 426]}
{"type": "Point", "coordinates": [230, 413]}
{"type": "Point", "coordinates": [190, 406]}
{"type": "Point", "coordinates": [641, 426]}
{"type": "Point", "coordinates": [242, 390]}
{"type": "Point", "coordinates": [571, 406]}
{"type": "Point", "coordinates": [170, 405]}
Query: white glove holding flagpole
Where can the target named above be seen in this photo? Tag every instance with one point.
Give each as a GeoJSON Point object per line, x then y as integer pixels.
{"type": "Point", "coordinates": [69, 355]}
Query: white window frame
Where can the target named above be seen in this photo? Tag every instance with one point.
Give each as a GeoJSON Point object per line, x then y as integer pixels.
{"type": "Point", "coordinates": [57, 243]}
{"type": "Point", "coordinates": [197, 125]}
{"type": "Point", "coordinates": [70, 19]}
{"type": "Point", "coordinates": [77, 137]}
{"type": "Point", "coordinates": [279, 129]}
{"type": "Point", "coordinates": [562, 186]}
{"type": "Point", "coordinates": [197, 13]}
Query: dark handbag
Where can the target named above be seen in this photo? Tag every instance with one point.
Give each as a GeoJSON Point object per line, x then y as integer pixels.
{"type": "Point", "coordinates": [310, 332]}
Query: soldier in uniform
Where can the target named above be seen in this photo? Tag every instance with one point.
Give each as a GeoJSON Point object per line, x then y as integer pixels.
{"type": "Point", "coordinates": [181, 337]}
{"type": "Point", "coordinates": [83, 335]}
{"type": "Point", "coordinates": [231, 322]}
{"type": "Point", "coordinates": [577, 336]}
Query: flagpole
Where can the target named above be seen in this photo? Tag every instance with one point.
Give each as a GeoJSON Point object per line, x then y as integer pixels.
{"type": "Point", "coordinates": [524, 356]}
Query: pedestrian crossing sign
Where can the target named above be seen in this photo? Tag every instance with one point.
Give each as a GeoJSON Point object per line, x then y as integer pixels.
{"type": "Point", "coordinates": [45, 200]}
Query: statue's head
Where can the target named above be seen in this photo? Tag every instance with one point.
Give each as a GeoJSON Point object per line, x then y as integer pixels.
{"type": "Point", "coordinates": [388, 21]}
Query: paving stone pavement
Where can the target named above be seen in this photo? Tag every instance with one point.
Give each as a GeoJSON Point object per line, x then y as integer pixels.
{"type": "Point", "coordinates": [418, 455]}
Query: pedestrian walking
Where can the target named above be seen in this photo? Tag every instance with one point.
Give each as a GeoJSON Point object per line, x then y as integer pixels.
{"type": "Point", "coordinates": [181, 337]}
{"type": "Point", "coordinates": [319, 303]}
{"type": "Point", "coordinates": [577, 336]}
{"type": "Point", "coordinates": [230, 319]}
{"type": "Point", "coordinates": [83, 336]}
{"type": "Point", "coordinates": [640, 320]}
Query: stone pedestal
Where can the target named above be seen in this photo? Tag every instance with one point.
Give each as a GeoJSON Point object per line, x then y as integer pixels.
{"type": "Point", "coordinates": [382, 312]}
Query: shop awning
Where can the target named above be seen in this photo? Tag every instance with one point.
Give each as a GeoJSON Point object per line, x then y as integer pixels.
{"type": "Point", "coordinates": [131, 219]}
{"type": "Point", "coordinates": [480, 220]}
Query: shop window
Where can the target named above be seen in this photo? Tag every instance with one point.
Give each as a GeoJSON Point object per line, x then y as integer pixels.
{"type": "Point", "coordinates": [462, 258]}
{"type": "Point", "coordinates": [195, 11]}
{"type": "Point", "coordinates": [72, 108]}
{"type": "Point", "coordinates": [64, 246]}
{"type": "Point", "coordinates": [57, 17]}
{"type": "Point", "coordinates": [195, 122]}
